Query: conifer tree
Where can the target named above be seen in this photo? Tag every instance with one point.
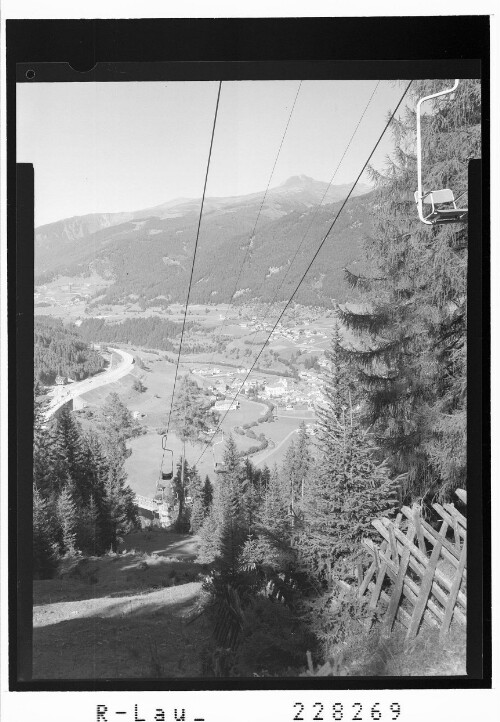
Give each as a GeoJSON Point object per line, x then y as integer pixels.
{"type": "Point", "coordinates": [70, 436]}
{"type": "Point", "coordinates": [42, 468]}
{"type": "Point", "coordinates": [115, 416]}
{"type": "Point", "coordinates": [197, 510]}
{"type": "Point", "coordinates": [228, 503]}
{"type": "Point", "coordinates": [288, 475]}
{"type": "Point", "coordinates": [208, 495]}
{"type": "Point", "coordinates": [89, 529]}
{"type": "Point", "coordinates": [296, 468]}
{"type": "Point", "coordinates": [45, 548]}
{"type": "Point", "coordinates": [350, 485]}
{"type": "Point", "coordinates": [119, 509]}
{"type": "Point", "coordinates": [270, 544]}
{"type": "Point", "coordinates": [53, 456]}
{"type": "Point", "coordinates": [191, 420]}
{"type": "Point", "coordinates": [275, 506]}
{"type": "Point", "coordinates": [67, 518]}
{"type": "Point", "coordinates": [409, 309]}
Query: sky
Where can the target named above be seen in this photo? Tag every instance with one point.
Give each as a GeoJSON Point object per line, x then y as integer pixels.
{"type": "Point", "coordinates": [111, 147]}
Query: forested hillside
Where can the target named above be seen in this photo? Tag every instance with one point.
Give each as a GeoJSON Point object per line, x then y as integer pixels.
{"type": "Point", "coordinates": [151, 332]}
{"type": "Point", "coordinates": [149, 258]}
{"type": "Point", "coordinates": [59, 350]}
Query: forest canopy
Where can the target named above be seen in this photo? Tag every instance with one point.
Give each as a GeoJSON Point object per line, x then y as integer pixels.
{"type": "Point", "coordinates": [59, 350]}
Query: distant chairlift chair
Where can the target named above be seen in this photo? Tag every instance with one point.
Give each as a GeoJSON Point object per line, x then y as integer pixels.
{"type": "Point", "coordinates": [442, 202]}
{"type": "Point", "coordinates": [167, 464]}
{"type": "Point", "coordinates": [219, 467]}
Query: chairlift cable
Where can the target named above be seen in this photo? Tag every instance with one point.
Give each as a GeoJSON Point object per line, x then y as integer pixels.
{"type": "Point", "coordinates": [194, 257]}
{"type": "Point", "coordinates": [189, 287]}
{"type": "Point", "coordinates": [252, 234]}
{"type": "Point", "coordinates": [297, 251]}
{"type": "Point", "coordinates": [389, 121]}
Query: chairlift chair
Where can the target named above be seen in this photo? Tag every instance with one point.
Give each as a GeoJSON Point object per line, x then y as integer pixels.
{"type": "Point", "coordinates": [167, 464]}
{"type": "Point", "coordinates": [443, 206]}
{"type": "Point", "coordinates": [218, 466]}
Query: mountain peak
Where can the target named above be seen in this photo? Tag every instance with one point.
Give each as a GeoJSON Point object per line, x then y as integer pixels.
{"type": "Point", "coordinates": [299, 180]}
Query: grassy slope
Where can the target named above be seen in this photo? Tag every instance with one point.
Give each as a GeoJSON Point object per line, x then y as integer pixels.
{"type": "Point", "coordinates": [121, 616]}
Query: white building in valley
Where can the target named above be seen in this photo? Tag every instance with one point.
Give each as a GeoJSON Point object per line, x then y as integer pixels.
{"type": "Point", "coordinates": [277, 389]}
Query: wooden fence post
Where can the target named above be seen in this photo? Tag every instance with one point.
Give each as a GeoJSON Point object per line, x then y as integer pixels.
{"type": "Point", "coordinates": [398, 586]}
{"type": "Point", "coordinates": [452, 598]}
{"type": "Point", "coordinates": [425, 589]}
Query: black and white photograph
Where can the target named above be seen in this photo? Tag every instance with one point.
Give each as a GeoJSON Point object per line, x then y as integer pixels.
{"type": "Point", "coordinates": [248, 308]}
{"type": "Point", "coordinates": [249, 349]}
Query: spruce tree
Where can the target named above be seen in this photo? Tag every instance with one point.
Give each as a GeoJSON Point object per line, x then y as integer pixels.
{"type": "Point", "coordinates": [269, 546]}
{"type": "Point", "coordinates": [409, 307]}
{"type": "Point", "coordinates": [70, 436]}
{"type": "Point", "coordinates": [119, 509]}
{"type": "Point", "coordinates": [197, 510]}
{"type": "Point", "coordinates": [45, 548]}
{"type": "Point", "coordinates": [191, 417]}
{"type": "Point", "coordinates": [208, 495]}
{"type": "Point", "coordinates": [67, 518]}
{"type": "Point", "coordinates": [43, 471]}
{"type": "Point", "coordinates": [114, 415]}
{"type": "Point", "coordinates": [350, 486]}
{"type": "Point", "coordinates": [228, 503]}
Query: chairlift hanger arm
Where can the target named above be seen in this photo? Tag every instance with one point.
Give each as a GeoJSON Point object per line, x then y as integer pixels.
{"type": "Point", "coordinates": [420, 194]}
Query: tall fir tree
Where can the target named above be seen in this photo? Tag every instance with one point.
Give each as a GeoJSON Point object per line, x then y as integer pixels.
{"type": "Point", "coordinates": [67, 517]}
{"type": "Point", "coordinates": [71, 438]}
{"type": "Point", "coordinates": [45, 547]}
{"type": "Point", "coordinates": [409, 307]}
{"type": "Point", "coordinates": [296, 469]}
{"type": "Point", "coordinates": [198, 509]}
{"type": "Point", "coordinates": [350, 486]}
{"type": "Point", "coordinates": [191, 415]}
{"type": "Point", "coordinates": [42, 467]}
{"type": "Point", "coordinates": [228, 506]}
{"type": "Point", "coordinates": [208, 495]}
{"type": "Point", "coordinates": [89, 536]}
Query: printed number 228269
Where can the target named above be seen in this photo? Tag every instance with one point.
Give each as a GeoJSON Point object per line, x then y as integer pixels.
{"type": "Point", "coordinates": [339, 711]}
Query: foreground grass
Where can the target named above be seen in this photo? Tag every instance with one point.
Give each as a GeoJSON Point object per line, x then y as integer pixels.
{"type": "Point", "coordinates": [123, 615]}
{"type": "Point", "coordinates": [378, 655]}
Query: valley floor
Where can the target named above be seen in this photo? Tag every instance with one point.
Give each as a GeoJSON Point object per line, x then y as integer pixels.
{"type": "Point", "coordinates": [122, 616]}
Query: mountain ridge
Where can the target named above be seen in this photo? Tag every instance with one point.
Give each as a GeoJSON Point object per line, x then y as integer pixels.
{"type": "Point", "coordinates": [147, 253]}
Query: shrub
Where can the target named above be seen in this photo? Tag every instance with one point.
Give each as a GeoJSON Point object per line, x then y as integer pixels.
{"type": "Point", "coordinates": [273, 640]}
{"type": "Point", "coordinates": [138, 386]}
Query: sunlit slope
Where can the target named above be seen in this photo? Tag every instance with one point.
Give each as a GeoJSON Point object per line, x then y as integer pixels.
{"type": "Point", "coordinates": [147, 254]}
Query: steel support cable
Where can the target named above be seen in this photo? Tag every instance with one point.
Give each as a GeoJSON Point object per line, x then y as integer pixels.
{"type": "Point", "coordinates": [193, 263]}
{"type": "Point", "coordinates": [297, 251]}
{"type": "Point", "coordinates": [252, 234]}
{"type": "Point", "coordinates": [209, 443]}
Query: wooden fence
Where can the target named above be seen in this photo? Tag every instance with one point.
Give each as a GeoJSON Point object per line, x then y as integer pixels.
{"type": "Point", "coordinates": [427, 568]}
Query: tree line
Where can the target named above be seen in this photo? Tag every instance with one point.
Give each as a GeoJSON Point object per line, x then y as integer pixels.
{"type": "Point", "coordinates": [59, 350]}
{"type": "Point", "coordinates": [153, 332]}
{"type": "Point", "coordinates": [81, 502]}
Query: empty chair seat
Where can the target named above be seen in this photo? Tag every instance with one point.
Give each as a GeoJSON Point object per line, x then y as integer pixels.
{"type": "Point", "coordinates": [443, 207]}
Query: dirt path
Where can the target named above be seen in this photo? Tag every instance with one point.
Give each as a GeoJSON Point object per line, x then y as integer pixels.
{"type": "Point", "coordinates": [122, 616]}
{"type": "Point", "coordinates": [259, 459]}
